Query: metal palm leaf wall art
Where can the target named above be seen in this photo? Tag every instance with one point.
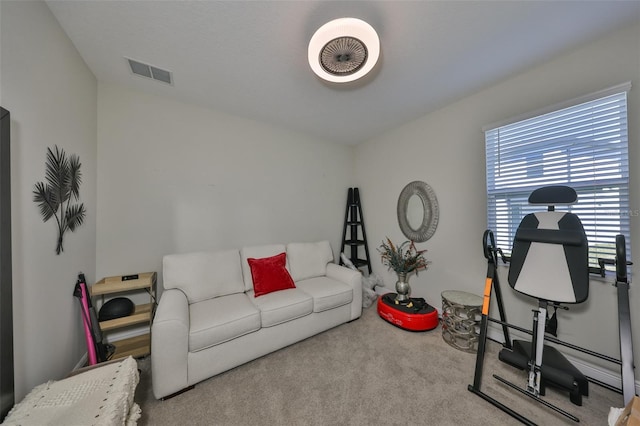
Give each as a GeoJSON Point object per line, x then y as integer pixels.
{"type": "Point", "coordinates": [62, 186]}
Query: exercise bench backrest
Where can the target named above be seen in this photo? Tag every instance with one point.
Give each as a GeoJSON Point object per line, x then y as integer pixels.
{"type": "Point", "coordinates": [550, 258]}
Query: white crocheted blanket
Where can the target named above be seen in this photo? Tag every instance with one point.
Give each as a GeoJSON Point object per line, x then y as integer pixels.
{"type": "Point", "coordinates": [101, 396]}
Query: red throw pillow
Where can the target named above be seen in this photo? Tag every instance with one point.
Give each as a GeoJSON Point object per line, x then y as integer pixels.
{"type": "Point", "coordinates": [269, 274]}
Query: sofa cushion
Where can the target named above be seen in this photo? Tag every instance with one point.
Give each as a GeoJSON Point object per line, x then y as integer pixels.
{"type": "Point", "coordinates": [220, 319]}
{"type": "Point", "coordinates": [282, 306]}
{"type": "Point", "coordinates": [308, 260]}
{"type": "Point", "coordinates": [257, 252]}
{"type": "Point", "coordinates": [327, 293]}
{"type": "Point", "coordinates": [203, 275]}
{"type": "Point", "coordinates": [269, 274]}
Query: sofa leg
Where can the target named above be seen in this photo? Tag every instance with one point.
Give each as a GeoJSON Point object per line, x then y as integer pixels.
{"type": "Point", "coordinates": [188, 388]}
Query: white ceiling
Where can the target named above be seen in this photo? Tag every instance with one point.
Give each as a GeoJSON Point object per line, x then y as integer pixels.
{"type": "Point", "coordinates": [249, 58]}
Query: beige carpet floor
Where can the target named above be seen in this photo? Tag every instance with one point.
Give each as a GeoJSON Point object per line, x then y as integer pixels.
{"type": "Point", "coordinates": [367, 372]}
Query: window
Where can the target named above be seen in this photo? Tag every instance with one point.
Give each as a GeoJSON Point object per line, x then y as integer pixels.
{"type": "Point", "coordinates": [583, 145]}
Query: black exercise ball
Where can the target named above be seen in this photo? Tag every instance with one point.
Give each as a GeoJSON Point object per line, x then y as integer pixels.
{"type": "Point", "coordinates": [116, 308]}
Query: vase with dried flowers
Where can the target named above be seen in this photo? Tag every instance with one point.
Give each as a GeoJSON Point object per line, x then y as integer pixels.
{"type": "Point", "coordinates": [403, 259]}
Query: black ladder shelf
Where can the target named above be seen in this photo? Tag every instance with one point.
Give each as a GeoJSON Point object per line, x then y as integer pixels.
{"type": "Point", "coordinates": [352, 221]}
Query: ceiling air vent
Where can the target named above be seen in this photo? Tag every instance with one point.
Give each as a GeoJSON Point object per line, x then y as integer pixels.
{"type": "Point", "coordinates": [149, 71]}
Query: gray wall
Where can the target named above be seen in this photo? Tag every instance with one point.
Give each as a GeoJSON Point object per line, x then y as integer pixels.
{"type": "Point", "coordinates": [174, 177]}
{"type": "Point", "coordinates": [52, 97]}
{"type": "Point", "coordinates": [446, 150]}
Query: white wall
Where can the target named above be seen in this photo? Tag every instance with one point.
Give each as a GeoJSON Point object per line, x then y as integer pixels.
{"type": "Point", "coordinates": [52, 97]}
{"type": "Point", "coordinates": [174, 178]}
{"type": "Point", "coordinates": [446, 150]}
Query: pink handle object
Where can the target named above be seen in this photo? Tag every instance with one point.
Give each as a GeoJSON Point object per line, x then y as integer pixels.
{"type": "Point", "coordinates": [86, 319]}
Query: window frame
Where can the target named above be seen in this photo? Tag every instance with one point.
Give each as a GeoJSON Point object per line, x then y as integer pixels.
{"type": "Point", "coordinates": [503, 217]}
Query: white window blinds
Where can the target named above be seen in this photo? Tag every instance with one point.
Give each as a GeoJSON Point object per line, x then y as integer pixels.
{"type": "Point", "coordinates": [583, 146]}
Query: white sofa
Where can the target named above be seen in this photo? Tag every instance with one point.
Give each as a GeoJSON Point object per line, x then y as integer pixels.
{"type": "Point", "coordinates": [209, 320]}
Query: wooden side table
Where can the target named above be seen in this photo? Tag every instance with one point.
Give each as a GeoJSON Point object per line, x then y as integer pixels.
{"type": "Point", "coordinates": [461, 313]}
{"type": "Point", "coordinates": [136, 346]}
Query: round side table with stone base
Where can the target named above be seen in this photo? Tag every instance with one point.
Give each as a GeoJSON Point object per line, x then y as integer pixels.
{"type": "Point", "coordinates": [461, 313]}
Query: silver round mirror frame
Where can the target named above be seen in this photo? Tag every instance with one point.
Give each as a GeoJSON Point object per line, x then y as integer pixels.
{"type": "Point", "coordinates": [431, 212]}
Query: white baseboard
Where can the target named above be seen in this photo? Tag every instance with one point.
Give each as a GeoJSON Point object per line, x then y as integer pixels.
{"type": "Point", "coordinates": [114, 336]}
{"type": "Point", "coordinates": [82, 362]}
{"type": "Point", "coordinates": [604, 375]}
{"type": "Point", "coordinates": [382, 290]}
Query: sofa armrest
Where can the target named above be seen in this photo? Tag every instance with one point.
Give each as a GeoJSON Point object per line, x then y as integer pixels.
{"type": "Point", "coordinates": [170, 344]}
{"type": "Point", "coordinates": [351, 278]}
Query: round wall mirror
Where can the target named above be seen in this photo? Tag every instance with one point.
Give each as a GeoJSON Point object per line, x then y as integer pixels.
{"type": "Point", "coordinates": [418, 211]}
{"type": "Point", "coordinates": [415, 212]}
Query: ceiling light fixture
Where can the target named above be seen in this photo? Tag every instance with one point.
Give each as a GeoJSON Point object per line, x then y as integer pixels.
{"type": "Point", "coordinates": [344, 50]}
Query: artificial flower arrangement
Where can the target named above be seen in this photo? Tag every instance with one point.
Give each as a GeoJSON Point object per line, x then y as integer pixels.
{"type": "Point", "coordinates": [402, 259]}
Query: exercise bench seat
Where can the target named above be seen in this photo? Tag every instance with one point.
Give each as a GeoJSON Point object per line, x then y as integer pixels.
{"type": "Point", "coordinates": [549, 262]}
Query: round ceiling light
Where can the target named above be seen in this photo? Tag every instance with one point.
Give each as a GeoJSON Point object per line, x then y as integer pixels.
{"type": "Point", "coordinates": [344, 50]}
